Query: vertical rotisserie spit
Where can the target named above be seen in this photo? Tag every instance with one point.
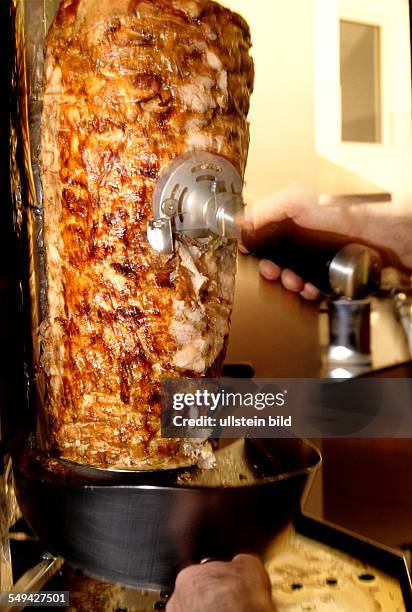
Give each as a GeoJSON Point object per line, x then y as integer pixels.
{"type": "Point", "coordinates": [130, 85]}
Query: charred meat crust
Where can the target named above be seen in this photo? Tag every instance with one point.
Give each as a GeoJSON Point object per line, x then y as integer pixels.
{"type": "Point", "coordinates": [129, 85]}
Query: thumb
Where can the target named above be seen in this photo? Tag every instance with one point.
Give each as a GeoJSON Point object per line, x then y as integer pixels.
{"type": "Point", "coordinates": [288, 203]}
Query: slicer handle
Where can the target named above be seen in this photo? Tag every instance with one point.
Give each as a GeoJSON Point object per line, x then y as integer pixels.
{"type": "Point", "coordinates": [348, 270]}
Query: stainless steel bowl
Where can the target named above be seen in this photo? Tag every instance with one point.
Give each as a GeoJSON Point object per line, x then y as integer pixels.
{"type": "Point", "coordinates": [141, 529]}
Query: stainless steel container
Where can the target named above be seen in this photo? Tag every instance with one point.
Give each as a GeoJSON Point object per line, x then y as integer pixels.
{"type": "Point", "coordinates": [141, 529]}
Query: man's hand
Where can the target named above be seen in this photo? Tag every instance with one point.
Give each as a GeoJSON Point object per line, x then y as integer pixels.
{"type": "Point", "coordinates": [241, 585]}
{"type": "Point", "coordinates": [378, 225]}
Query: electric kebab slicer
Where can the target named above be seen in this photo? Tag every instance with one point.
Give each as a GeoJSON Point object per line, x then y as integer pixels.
{"type": "Point", "coordinates": [197, 194]}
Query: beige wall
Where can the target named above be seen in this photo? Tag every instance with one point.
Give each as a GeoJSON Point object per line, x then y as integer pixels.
{"type": "Point", "coordinates": [282, 114]}
{"type": "Point", "coordinates": [386, 166]}
{"type": "Point", "coordinates": [295, 120]}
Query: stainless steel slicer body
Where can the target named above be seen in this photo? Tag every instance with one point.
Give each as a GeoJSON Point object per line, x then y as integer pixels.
{"type": "Point", "coordinates": [198, 194]}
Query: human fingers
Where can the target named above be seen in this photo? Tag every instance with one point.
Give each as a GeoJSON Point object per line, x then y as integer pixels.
{"type": "Point", "coordinates": [242, 249]}
{"type": "Point", "coordinates": [291, 281]}
{"type": "Point", "coordinates": [310, 292]}
{"type": "Point", "coordinates": [253, 569]}
{"type": "Point", "coordinates": [189, 594]}
{"type": "Point", "coordinates": [257, 588]}
{"type": "Point", "coordinates": [269, 270]}
{"type": "Point", "coordinates": [215, 585]}
{"type": "Point", "coordinates": [241, 584]}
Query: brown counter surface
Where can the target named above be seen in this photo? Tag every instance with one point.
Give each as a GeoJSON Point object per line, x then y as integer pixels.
{"type": "Point", "coordinates": [272, 329]}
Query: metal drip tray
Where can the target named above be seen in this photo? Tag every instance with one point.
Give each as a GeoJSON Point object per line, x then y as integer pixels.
{"type": "Point", "coordinates": [312, 566]}
{"type": "Point", "coordinates": [141, 529]}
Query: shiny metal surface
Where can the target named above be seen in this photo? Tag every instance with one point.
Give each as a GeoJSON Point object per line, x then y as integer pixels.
{"type": "Point", "coordinates": [403, 308]}
{"type": "Point", "coordinates": [349, 332]}
{"type": "Point", "coordinates": [141, 529]}
{"type": "Point", "coordinates": [330, 580]}
{"type": "Point", "coordinates": [197, 194]}
{"type": "Point", "coordinates": [160, 235]}
{"type": "Point", "coordinates": [355, 271]}
{"type": "Point", "coordinates": [387, 339]}
{"type": "Point", "coordinates": [354, 198]}
{"type": "Point", "coordinates": [314, 566]}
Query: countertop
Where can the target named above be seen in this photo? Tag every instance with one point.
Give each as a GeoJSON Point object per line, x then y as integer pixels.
{"type": "Point", "coordinates": [272, 329]}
